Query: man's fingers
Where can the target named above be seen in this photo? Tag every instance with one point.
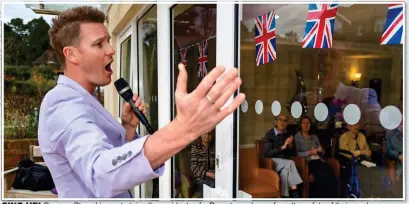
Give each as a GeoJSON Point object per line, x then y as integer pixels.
{"type": "Point", "coordinates": [126, 108]}
{"type": "Point", "coordinates": [135, 97]}
{"type": "Point", "coordinates": [233, 106]}
{"type": "Point", "coordinates": [181, 85]}
{"type": "Point", "coordinates": [138, 102]}
{"type": "Point", "coordinates": [222, 84]}
{"type": "Point", "coordinates": [232, 87]}
{"type": "Point", "coordinates": [208, 81]}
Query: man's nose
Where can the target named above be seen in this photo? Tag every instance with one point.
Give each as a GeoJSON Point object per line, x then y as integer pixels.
{"type": "Point", "coordinates": [111, 51]}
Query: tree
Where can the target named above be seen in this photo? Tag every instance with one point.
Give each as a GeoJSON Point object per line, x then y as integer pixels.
{"type": "Point", "coordinates": [292, 36]}
{"type": "Point", "coordinates": [38, 39]}
{"type": "Point", "coordinates": [23, 43]}
{"type": "Point", "coordinates": [13, 45]}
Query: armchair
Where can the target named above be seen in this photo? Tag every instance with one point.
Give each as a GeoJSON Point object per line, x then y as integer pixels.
{"type": "Point", "coordinates": [302, 167]}
{"type": "Point", "coordinates": [254, 180]}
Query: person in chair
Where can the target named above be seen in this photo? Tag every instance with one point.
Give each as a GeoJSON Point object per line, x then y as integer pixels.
{"type": "Point", "coordinates": [354, 142]}
{"type": "Point", "coordinates": [394, 148]}
{"type": "Point", "coordinates": [202, 162]}
{"type": "Point", "coordinates": [278, 147]}
{"type": "Point", "coordinates": [308, 145]}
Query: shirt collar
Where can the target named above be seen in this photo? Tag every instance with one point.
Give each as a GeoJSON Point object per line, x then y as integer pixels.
{"type": "Point", "coordinates": [276, 131]}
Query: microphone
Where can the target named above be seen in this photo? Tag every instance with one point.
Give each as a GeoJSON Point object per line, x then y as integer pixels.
{"type": "Point", "coordinates": [126, 93]}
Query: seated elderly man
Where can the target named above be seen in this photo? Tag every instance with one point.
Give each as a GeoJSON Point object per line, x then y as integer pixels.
{"type": "Point", "coordinates": [279, 147]}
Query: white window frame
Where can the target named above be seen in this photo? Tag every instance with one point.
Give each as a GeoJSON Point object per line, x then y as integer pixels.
{"type": "Point", "coordinates": [131, 30]}
{"type": "Point", "coordinates": [124, 34]}
{"type": "Point", "coordinates": [224, 130]}
{"type": "Point", "coordinates": [164, 102]}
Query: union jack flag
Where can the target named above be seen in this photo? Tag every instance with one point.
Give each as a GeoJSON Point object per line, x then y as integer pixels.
{"type": "Point", "coordinates": [320, 26]}
{"type": "Point", "coordinates": [183, 55]}
{"type": "Point", "coordinates": [202, 60]}
{"type": "Point", "coordinates": [393, 31]}
{"type": "Point", "coordinates": [265, 37]}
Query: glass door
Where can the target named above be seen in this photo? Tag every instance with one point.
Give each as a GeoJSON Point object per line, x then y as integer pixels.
{"type": "Point", "coordinates": [194, 44]}
{"type": "Point", "coordinates": [147, 75]}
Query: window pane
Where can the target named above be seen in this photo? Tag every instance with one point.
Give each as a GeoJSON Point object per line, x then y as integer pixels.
{"type": "Point", "coordinates": [194, 25]}
{"type": "Point", "coordinates": [149, 76]}
{"type": "Point", "coordinates": [356, 81]}
{"type": "Point", "coordinates": [125, 66]}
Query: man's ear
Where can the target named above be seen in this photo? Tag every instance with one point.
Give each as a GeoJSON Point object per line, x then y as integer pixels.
{"type": "Point", "coordinates": [71, 54]}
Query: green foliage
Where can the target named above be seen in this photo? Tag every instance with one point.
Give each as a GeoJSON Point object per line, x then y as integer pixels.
{"type": "Point", "coordinates": [18, 72]}
{"type": "Point", "coordinates": [22, 79]}
{"type": "Point", "coordinates": [47, 72]}
{"type": "Point", "coordinates": [24, 43]}
{"type": "Point", "coordinates": [25, 85]}
{"type": "Point", "coordinates": [19, 116]}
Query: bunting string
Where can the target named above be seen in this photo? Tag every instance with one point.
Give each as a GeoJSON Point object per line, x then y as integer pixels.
{"type": "Point", "coordinates": [195, 44]}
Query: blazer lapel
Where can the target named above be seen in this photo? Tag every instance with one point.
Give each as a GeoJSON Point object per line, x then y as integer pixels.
{"type": "Point", "coordinates": [94, 102]}
{"type": "Point", "coordinates": [97, 105]}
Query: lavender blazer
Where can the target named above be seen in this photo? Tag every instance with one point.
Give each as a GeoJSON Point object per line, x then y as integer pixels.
{"type": "Point", "coordinates": [84, 146]}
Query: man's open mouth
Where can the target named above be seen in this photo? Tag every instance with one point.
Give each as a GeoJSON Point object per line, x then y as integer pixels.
{"type": "Point", "coordinates": [108, 67]}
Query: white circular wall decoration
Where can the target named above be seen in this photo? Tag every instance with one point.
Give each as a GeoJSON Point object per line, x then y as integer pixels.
{"type": "Point", "coordinates": [244, 106]}
{"type": "Point", "coordinates": [259, 107]}
{"type": "Point", "coordinates": [352, 114]}
{"type": "Point", "coordinates": [321, 112]}
{"type": "Point", "coordinates": [276, 108]}
{"type": "Point", "coordinates": [296, 109]}
{"type": "Point", "coordinates": [390, 117]}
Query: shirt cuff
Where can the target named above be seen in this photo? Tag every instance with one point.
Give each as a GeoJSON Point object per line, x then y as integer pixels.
{"type": "Point", "coordinates": [160, 169]}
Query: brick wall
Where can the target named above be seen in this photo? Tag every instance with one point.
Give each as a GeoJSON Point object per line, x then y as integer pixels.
{"type": "Point", "coordinates": [16, 150]}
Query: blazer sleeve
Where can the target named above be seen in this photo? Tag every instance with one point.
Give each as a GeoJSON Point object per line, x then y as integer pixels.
{"type": "Point", "coordinates": [106, 170]}
{"type": "Point", "coordinates": [270, 149]}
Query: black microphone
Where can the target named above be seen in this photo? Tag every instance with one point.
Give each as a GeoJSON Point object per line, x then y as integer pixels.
{"type": "Point", "coordinates": [126, 93]}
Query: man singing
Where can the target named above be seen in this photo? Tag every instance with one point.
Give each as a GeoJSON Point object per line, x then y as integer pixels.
{"type": "Point", "coordinates": [87, 151]}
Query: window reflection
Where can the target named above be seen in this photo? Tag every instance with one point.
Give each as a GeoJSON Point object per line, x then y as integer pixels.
{"type": "Point", "coordinates": [149, 64]}
{"type": "Point", "coordinates": [194, 24]}
{"type": "Point", "coordinates": [148, 78]}
{"type": "Point", "coordinates": [356, 70]}
{"type": "Point", "coordinates": [125, 65]}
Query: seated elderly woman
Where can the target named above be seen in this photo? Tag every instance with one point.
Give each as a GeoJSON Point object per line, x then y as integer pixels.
{"type": "Point", "coordinates": [202, 161]}
{"type": "Point", "coordinates": [308, 145]}
{"type": "Point", "coordinates": [354, 142]}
